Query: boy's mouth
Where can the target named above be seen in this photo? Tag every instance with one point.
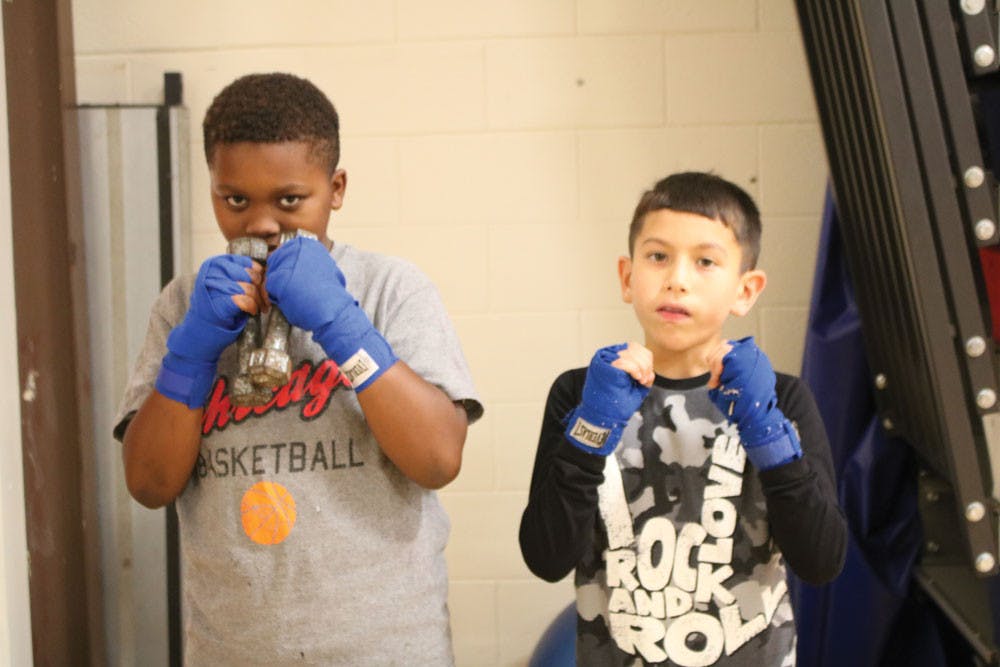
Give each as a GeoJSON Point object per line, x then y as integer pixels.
{"type": "Point", "coordinates": [672, 312]}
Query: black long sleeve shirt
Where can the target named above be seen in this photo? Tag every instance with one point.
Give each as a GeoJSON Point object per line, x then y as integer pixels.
{"type": "Point", "coordinates": [676, 461]}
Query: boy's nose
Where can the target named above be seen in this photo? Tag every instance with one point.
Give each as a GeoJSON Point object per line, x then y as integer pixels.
{"type": "Point", "coordinates": [263, 226]}
{"type": "Point", "coordinates": [677, 277]}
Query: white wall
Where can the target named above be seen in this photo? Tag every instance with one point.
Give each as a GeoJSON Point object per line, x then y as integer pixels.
{"type": "Point", "coordinates": [15, 615]}
{"type": "Point", "coordinates": [502, 147]}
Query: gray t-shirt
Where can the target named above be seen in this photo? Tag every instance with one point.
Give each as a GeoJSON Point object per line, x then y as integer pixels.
{"type": "Point", "coordinates": [301, 543]}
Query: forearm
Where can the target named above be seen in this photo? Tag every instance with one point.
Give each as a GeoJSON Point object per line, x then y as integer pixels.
{"type": "Point", "coordinates": [159, 449]}
{"type": "Point", "coordinates": [558, 522]}
{"type": "Point", "coordinates": [416, 424]}
{"type": "Point", "coordinates": [806, 522]}
{"type": "Point", "coordinates": [802, 505]}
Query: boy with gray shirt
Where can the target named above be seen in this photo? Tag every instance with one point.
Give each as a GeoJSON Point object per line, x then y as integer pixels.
{"type": "Point", "coordinates": [310, 532]}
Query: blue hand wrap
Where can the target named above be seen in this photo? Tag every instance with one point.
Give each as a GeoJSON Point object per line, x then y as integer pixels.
{"type": "Point", "coordinates": [306, 283]}
{"type": "Point", "coordinates": [610, 398]}
{"type": "Point", "coordinates": [746, 397]}
{"type": "Point", "coordinates": [212, 322]}
{"type": "Point", "coordinates": [184, 380]}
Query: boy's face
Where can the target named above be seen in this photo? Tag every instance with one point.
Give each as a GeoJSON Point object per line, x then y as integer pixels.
{"type": "Point", "coordinates": [263, 189]}
{"type": "Point", "coordinates": [683, 280]}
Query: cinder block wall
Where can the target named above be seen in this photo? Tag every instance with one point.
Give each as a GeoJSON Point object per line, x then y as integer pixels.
{"type": "Point", "coordinates": [502, 147]}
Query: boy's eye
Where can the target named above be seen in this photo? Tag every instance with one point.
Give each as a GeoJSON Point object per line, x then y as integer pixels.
{"type": "Point", "coordinates": [657, 256]}
{"type": "Point", "coordinates": [706, 262]}
{"type": "Point", "coordinates": [289, 201]}
{"type": "Point", "coordinates": [236, 201]}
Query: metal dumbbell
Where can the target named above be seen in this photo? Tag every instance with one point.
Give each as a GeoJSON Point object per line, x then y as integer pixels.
{"type": "Point", "coordinates": [269, 365]}
{"type": "Point", "coordinates": [243, 391]}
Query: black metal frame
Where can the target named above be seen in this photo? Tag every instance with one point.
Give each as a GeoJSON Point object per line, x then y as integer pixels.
{"type": "Point", "coordinates": [172, 97]}
{"type": "Point", "coordinates": [915, 199]}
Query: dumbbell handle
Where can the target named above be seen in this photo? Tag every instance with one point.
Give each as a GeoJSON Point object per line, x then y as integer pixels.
{"type": "Point", "coordinates": [254, 248]}
{"type": "Point", "coordinates": [243, 391]}
{"type": "Point", "coordinates": [276, 337]}
{"type": "Point", "coordinates": [270, 365]}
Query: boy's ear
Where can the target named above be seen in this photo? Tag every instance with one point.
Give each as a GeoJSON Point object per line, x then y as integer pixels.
{"type": "Point", "coordinates": [625, 277]}
{"type": "Point", "coordinates": [338, 182]}
{"type": "Point", "coordinates": [752, 283]}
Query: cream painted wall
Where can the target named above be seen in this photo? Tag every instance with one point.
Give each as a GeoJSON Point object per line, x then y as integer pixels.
{"type": "Point", "coordinates": [15, 619]}
{"type": "Point", "coordinates": [502, 146]}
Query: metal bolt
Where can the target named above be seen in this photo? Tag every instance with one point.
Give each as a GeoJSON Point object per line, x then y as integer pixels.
{"type": "Point", "coordinates": [974, 511]}
{"type": "Point", "coordinates": [985, 562]}
{"type": "Point", "coordinates": [984, 55]}
{"type": "Point", "coordinates": [932, 547]}
{"type": "Point", "coordinates": [932, 496]}
{"type": "Point", "coordinates": [975, 346]}
{"type": "Point", "coordinates": [985, 229]}
{"type": "Point", "coordinates": [881, 381]}
{"type": "Point", "coordinates": [974, 177]}
{"type": "Point", "coordinates": [986, 398]}
{"type": "Point", "coordinates": [973, 7]}
{"type": "Point", "coordinates": [887, 424]}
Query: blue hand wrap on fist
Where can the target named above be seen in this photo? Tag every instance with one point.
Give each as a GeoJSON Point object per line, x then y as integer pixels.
{"type": "Point", "coordinates": [304, 281]}
{"type": "Point", "coordinates": [610, 398]}
{"type": "Point", "coordinates": [746, 397]}
{"type": "Point", "coordinates": [213, 321]}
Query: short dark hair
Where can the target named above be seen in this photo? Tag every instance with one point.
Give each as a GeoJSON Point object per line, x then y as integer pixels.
{"type": "Point", "coordinates": [707, 195]}
{"type": "Point", "coordinates": [274, 108]}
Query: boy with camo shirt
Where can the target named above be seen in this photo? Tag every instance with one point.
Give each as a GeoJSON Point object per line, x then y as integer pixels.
{"type": "Point", "coordinates": [310, 532]}
{"type": "Point", "coordinates": [680, 477]}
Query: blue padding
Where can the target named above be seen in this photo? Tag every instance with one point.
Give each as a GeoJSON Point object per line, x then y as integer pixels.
{"type": "Point", "coordinates": [869, 615]}
{"type": "Point", "coordinates": [557, 646]}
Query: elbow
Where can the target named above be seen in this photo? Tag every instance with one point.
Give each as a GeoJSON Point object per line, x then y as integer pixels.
{"type": "Point", "coordinates": [833, 568]}
{"type": "Point", "coordinates": [542, 559]}
{"type": "Point", "coordinates": [148, 488]}
{"type": "Point", "coordinates": [146, 495]}
{"type": "Point", "coordinates": [821, 571]}
{"type": "Point", "coordinates": [817, 576]}
{"type": "Point", "coordinates": [443, 472]}
{"type": "Point", "coordinates": [147, 492]}
{"type": "Point", "coordinates": [547, 574]}
{"type": "Point", "coordinates": [547, 569]}
{"type": "Point", "coordinates": [445, 462]}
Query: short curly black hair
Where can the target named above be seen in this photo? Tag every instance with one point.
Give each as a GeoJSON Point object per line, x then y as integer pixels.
{"type": "Point", "coordinates": [274, 108]}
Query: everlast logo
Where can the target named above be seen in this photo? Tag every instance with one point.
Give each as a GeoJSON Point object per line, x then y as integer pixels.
{"type": "Point", "coordinates": [588, 434]}
{"type": "Point", "coordinates": [311, 386]}
{"type": "Point", "coordinates": [359, 368]}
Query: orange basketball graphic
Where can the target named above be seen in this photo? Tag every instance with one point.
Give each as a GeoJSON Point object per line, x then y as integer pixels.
{"type": "Point", "coordinates": [268, 512]}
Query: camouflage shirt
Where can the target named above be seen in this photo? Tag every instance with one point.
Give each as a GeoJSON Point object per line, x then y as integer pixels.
{"type": "Point", "coordinates": [679, 545]}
